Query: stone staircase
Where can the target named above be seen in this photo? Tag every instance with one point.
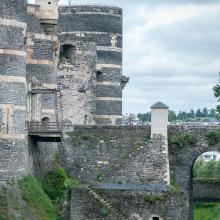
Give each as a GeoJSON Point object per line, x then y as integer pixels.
{"type": "Point", "coordinates": [105, 203]}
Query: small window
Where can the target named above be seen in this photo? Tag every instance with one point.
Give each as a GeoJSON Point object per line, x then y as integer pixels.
{"type": "Point", "coordinates": [67, 53]}
{"type": "Point", "coordinates": [98, 75]}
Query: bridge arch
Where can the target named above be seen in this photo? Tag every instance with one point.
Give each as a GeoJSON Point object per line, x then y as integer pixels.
{"type": "Point", "coordinates": [185, 160]}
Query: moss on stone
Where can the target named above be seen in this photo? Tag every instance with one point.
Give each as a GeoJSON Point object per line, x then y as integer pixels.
{"type": "Point", "coordinates": [162, 197]}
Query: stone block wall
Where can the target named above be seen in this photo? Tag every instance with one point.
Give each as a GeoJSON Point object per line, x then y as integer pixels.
{"type": "Point", "coordinates": [117, 154]}
{"type": "Point", "coordinates": [101, 25]}
{"type": "Point", "coordinates": [206, 190]}
{"type": "Point", "coordinates": [42, 55]}
{"type": "Point", "coordinates": [41, 63]}
{"type": "Point", "coordinates": [13, 90]}
{"type": "Point", "coordinates": [77, 82]}
{"type": "Point", "coordinates": [114, 204]}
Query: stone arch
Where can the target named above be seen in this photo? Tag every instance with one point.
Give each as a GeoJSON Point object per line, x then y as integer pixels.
{"type": "Point", "coordinates": [183, 170]}
{"type": "Point", "coordinates": [155, 217]}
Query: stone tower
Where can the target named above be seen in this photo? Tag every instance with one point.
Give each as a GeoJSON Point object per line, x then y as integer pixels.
{"type": "Point", "coordinates": [13, 90]}
{"type": "Point", "coordinates": [41, 63]}
{"type": "Point", "coordinates": [102, 26]}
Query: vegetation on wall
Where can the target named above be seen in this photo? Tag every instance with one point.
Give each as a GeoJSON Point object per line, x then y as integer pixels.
{"type": "Point", "coordinates": [177, 141]}
{"type": "Point", "coordinates": [44, 199]}
{"type": "Point", "coordinates": [153, 198]}
{"type": "Point", "coordinates": [213, 137]}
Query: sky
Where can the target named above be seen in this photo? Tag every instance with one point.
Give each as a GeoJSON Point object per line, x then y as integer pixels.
{"type": "Point", "coordinates": [171, 52]}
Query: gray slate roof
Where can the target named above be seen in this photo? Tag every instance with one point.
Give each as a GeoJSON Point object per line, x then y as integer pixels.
{"type": "Point", "coordinates": [159, 105]}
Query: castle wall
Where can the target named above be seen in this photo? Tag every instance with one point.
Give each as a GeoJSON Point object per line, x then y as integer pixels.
{"type": "Point", "coordinates": [114, 204]}
{"type": "Point", "coordinates": [116, 154]}
{"type": "Point", "coordinates": [13, 90]}
{"type": "Point", "coordinates": [103, 26]}
{"type": "Point", "coordinates": [77, 82]}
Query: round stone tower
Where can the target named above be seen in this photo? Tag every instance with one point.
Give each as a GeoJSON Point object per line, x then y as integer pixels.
{"type": "Point", "coordinates": [101, 25]}
{"type": "Point", "coordinates": [13, 90]}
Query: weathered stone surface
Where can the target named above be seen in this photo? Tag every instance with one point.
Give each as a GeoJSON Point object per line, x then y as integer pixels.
{"type": "Point", "coordinates": [124, 203]}
{"type": "Point", "coordinates": [115, 154]}
{"type": "Point", "coordinates": [77, 82]}
{"type": "Point", "coordinates": [101, 25]}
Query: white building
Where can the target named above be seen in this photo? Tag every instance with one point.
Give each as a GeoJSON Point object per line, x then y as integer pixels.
{"type": "Point", "coordinates": [212, 155]}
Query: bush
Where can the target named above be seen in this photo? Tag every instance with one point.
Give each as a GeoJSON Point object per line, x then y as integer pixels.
{"type": "Point", "coordinates": [213, 137]}
{"type": "Point", "coordinates": [178, 141]}
{"type": "Point", "coordinates": [210, 169]}
{"type": "Point", "coordinates": [54, 183]}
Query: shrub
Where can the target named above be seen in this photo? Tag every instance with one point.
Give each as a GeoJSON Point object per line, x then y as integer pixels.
{"type": "Point", "coordinates": [213, 137]}
{"type": "Point", "coordinates": [54, 183]}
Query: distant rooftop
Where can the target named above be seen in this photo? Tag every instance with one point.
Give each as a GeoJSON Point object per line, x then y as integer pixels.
{"type": "Point", "coordinates": [159, 105]}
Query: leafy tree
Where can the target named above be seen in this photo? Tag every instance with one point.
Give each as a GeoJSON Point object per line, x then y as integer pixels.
{"type": "Point", "coordinates": [216, 90]}
{"type": "Point", "coordinates": [172, 115]}
{"type": "Point", "coordinates": [198, 113]}
{"type": "Point", "coordinates": [205, 112]}
{"type": "Point", "coordinates": [192, 113]}
{"type": "Point", "coordinates": [212, 112]}
{"type": "Point", "coordinates": [144, 117]}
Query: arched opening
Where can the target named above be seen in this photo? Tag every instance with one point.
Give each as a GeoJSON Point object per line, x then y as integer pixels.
{"type": "Point", "coordinates": [186, 162]}
{"type": "Point", "coordinates": [45, 122]}
{"type": "Point", "coordinates": [67, 53]}
{"type": "Point", "coordinates": [206, 186]}
{"type": "Point", "coordinates": [155, 217]}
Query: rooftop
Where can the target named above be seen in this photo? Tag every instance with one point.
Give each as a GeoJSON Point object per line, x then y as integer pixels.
{"type": "Point", "coordinates": [159, 105]}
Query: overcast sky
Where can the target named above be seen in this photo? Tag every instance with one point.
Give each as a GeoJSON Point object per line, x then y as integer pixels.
{"type": "Point", "coordinates": [171, 52]}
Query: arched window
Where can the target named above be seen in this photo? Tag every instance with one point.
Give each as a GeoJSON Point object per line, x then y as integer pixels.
{"type": "Point", "coordinates": [45, 121]}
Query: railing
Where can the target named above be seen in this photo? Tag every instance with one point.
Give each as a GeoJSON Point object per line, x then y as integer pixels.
{"type": "Point", "coordinates": [45, 127]}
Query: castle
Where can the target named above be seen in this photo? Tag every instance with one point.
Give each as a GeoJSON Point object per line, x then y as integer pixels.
{"type": "Point", "coordinates": [61, 66]}
{"type": "Point", "coordinates": [61, 88]}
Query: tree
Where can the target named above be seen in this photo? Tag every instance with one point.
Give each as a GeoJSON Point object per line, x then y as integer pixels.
{"type": "Point", "coordinates": [216, 90]}
{"type": "Point", "coordinates": [192, 113]}
{"type": "Point", "coordinates": [172, 115]}
{"type": "Point", "coordinates": [212, 112]}
{"type": "Point", "coordinates": [198, 113]}
{"type": "Point", "coordinates": [205, 112]}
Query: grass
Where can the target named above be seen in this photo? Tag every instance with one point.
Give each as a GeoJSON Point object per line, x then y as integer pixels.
{"type": "Point", "coordinates": [206, 211]}
{"type": "Point", "coordinates": [37, 199]}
